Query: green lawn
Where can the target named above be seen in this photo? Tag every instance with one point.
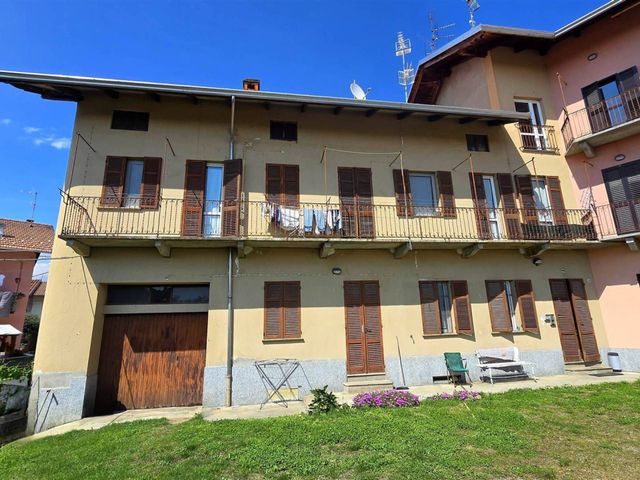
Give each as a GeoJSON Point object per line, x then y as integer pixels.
{"type": "Point", "coordinates": [583, 433]}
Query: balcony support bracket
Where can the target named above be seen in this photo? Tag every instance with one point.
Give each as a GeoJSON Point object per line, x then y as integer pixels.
{"type": "Point", "coordinates": [471, 250]}
{"type": "Point", "coordinates": [163, 249]}
{"type": "Point", "coordinates": [80, 248]}
{"type": "Point", "coordinates": [587, 149]}
{"type": "Point", "coordinates": [326, 250]}
{"type": "Point", "coordinates": [633, 244]}
{"type": "Point", "coordinates": [244, 249]}
{"type": "Point", "coordinates": [535, 250]}
{"type": "Point", "coordinates": [401, 250]}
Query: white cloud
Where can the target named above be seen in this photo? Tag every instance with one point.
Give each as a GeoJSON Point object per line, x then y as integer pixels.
{"type": "Point", "coordinates": [61, 143]}
{"type": "Point", "coordinates": [31, 130]}
{"type": "Point", "coordinates": [5, 121]}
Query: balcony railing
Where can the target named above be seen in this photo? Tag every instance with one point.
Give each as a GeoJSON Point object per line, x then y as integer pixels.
{"type": "Point", "coordinates": [537, 137]}
{"type": "Point", "coordinates": [618, 219]}
{"type": "Point", "coordinates": [611, 112]}
{"type": "Point", "coordinates": [84, 217]}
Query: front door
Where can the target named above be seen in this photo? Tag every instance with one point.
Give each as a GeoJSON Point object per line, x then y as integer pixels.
{"type": "Point", "coordinates": [575, 327]}
{"type": "Point", "coordinates": [363, 327]}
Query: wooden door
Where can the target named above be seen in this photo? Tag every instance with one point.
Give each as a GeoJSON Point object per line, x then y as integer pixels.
{"type": "Point", "coordinates": [363, 327]}
{"type": "Point", "coordinates": [355, 187]}
{"type": "Point", "coordinates": [151, 361]}
{"type": "Point", "coordinates": [573, 317]}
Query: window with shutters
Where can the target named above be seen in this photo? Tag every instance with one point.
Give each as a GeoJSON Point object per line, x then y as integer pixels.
{"type": "Point", "coordinates": [126, 120]}
{"type": "Point", "coordinates": [477, 143]}
{"type": "Point", "coordinates": [282, 310]}
{"type": "Point", "coordinates": [283, 184]}
{"type": "Point", "coordinates": [287, 131]}
{"type": "Point", "coordinates": [445, 307]}
{"type": "Point", "coordinates": [623, 188]}
{"type": "Point", "coordinates": [423, 194]}
{"type": "Point", "coordinates": [131, 182]}
{"type": "Point", "coordinates": [511, 306]}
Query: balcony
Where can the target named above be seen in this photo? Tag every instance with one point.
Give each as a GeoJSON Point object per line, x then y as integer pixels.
{"type": "Point", "coordinates": [351, 225]}
{"type": "Point", "coordinates": [537, 138]}
{"type": "Point", "coordinates": [618, 220]}
{"type": "Point", "coordinates": [612, 119]}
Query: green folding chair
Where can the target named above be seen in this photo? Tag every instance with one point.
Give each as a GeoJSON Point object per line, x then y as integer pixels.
{"type": "Point", "coordinates": [456, 366]}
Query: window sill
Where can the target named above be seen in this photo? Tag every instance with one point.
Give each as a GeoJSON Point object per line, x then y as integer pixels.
{"type": "Point", "coordinates": [518, 332]}
{"type": "Point", "coordinates": [283, 340]}
{"type": "Point", "coordinates": [437, 335]}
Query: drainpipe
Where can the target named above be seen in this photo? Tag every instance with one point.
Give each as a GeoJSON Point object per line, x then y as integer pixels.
{"type": "Point", "coordinates": [229, 375]}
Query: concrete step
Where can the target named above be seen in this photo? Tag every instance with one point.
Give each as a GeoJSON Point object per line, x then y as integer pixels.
{"type": "Point", "coordinates": [587, 368]}
{"type": "Point", "coordinates": [367, 383]}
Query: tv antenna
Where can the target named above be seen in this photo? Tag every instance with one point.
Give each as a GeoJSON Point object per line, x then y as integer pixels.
{"type": "Point", "coordinates": [357, 91]}
{"type": "Point", "coordinates": [407, 74]}
{"type": "Point", "coordinates": [473, 6]}
{"type": "Point", "coordinates": [435, 32]}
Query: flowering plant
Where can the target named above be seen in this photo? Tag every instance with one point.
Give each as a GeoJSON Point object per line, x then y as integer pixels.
{"type": "Point", "coordinates": [461, 395]}
{"type": "Point", "coordinates": [386, 399]}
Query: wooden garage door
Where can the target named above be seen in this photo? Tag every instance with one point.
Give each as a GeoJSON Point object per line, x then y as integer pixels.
{"type": "Point", "coordinates": [151, 360]}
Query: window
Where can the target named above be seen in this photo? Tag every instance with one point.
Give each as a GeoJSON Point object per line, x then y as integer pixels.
{"type": "Point", "coordinates": [606, 104]}
{"type": "Point", "coordinates": [423, 193]}
{"type": "Point", "coordinates": [283, 184]}
{"type": "Point", "coordinates": [284, 131]}
{"type": "Point", "coordinates": [445, 307]}
{"type": "Point", "coordinates": [504, 297]}
{"type": "Point", "coordinates": [124, 120]}
{"type": "Point", "coordinates": [282, 310]}
{"type": "Point", "coordinates": [477, 143]}
{"type": "Point", "coordinates": [541, 200]}
{"type": "Point", "coordinates": [212, 209]}
{"type": "Point", "coordinates": [532, 132]}
{"type": "Point", "coordinates": [131, 182]}
{"type": "Point", "coordinates": [157, 294]}
{"type": "Point", "coordinates": [623, 188]}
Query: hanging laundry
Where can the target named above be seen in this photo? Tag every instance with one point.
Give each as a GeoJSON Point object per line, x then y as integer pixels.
{"type": "Point", "coordinates": [321, 221]}
{"type": "Point", "coordinates": [309, 213]}
{"type": "Point", "coordinates": [289, 218]}
{"type": "Point", "coordinates": [6, 300]}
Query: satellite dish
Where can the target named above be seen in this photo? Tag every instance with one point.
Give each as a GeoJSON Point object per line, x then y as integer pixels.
{"type": "Point", "coordinates": [357, 92]}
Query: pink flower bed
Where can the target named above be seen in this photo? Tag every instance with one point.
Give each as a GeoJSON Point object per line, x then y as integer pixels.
{"type": "Point", "coordinates": [386, 399]}
{"type": "Point", "coordinates": [461, 395]}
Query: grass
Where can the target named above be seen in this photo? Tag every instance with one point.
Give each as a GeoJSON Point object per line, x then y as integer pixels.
{"type": "Point", "coordinates": [564, 433]}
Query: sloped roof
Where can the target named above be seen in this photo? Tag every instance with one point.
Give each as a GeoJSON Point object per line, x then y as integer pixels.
{"type": "Point", "coordinates": [27, 236]}
{"type": "Point", "coordinates": [37, 288]}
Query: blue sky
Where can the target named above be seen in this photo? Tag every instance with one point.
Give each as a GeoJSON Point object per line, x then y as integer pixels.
{"type": "Point", "coordinates": [311, 46]}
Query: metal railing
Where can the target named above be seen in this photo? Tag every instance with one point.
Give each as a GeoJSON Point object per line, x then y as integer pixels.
{"type": "Point", "coordinates": [537, 137]}
{"type": "Point", "coordinates": [85, 217]}
{"type": "Point", "coordinates": [620, 218]}
{"type": "Point", "coordinates": [608, 113]}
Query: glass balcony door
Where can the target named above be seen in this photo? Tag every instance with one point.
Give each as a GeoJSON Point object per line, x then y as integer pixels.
{"type": "Point", "coordinates": [212, 211]}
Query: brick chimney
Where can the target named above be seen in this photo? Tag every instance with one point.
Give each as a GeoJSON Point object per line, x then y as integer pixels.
{"type": "Point", "coordinates": [251, 84]}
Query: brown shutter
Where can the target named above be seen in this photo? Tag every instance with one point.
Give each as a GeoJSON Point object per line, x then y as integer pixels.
{"type": "Point", "coordinates": [364, 202]}
{"type": "Point", "coordinates": [232, 186]}
{"type": "Point", "coordinates": [509, 207]}
{"type": "Point", "coordinates": [498, 307]}
{"type": "Point", "coordinates": [373, 326]}
{"type": "Point", "coordinates": [273, 300]}
{"type": "Point", "coordinates": [564, 317]}
{"type": "Point", "coordinates": [525, 190]}
{"type": "Point", "coordinates": [291, 185]}
{"type": "Point", "coordinates": [291, 306]}
{"type": "Point", "coordinates": [556, 200]}
{"type": "Point", "coordinates": [113, 182]}
{"type": "Point", "coordinates": [462, 307]}
{"type": "Point", "coordinates": [480, 205]}
{"type": "Point", "coordinates": [347, 192]}
{"type": "Point", "coordinates": [431, 322]}
{"type": "Point", "coordinates": [193, 197]}
{"type": "Point", "coordinates": [399, 187]}
{"type": "Point", "coordinates": [274, 183]}
{"type": "Point", "coordinates": [527, 304]}
{"type": "Point", "coordinates": [445, 189]}
{"type": "Point", "coordinates": [354, 327]}
{"type": "Point", "coordinates": [583, 320]}
{"type": "Point", "coordinates": [151, 173]}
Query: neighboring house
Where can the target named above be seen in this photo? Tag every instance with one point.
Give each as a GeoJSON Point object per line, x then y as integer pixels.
{"type": "Point", "coordinates": [203, 229]}
{"type": "Point", "coordinates": [21, 243]}
{"type": "Point", "coordinates": [579, 84]}
{"type": "Point", "coordinates": [36, 297]}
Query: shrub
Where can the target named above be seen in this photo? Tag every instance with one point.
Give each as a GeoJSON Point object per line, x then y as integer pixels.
{"type": "Point", "coordinates": [323, 401]}
{"type": "Point", "coordinates": [14, 372]}
{"type": "Point", "coordinates": [386, 399]}
{"type": "Point", "coordinates": [462, 395]}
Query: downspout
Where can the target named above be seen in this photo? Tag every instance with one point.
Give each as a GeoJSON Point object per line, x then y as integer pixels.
{"type": "Point", "coordinates": [229, 375]}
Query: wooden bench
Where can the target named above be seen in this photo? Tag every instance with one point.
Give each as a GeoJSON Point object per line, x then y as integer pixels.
{"type": "Point", "coordinates": [505, 360]}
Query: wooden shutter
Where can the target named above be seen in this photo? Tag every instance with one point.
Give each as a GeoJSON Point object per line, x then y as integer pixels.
{"type": "Point", "coordinates": [372, 326]}
{"type": "Point", "coordinates": [623, 189]}
{"type": "Point", "coordinates": [354, 328]}
{"type": "Point", "coordinates": [431, 322]}
{"type": "Point", "coordinates": [480, 205]}
{"type": "Point", "coordinates": [274, 183]}
{"type": "Point", "coordinates": [525, 190]}
{"type": "Point", "coordinates": [509, 207]}
{"type": "Point", "coordinates": [556, 200]}
{"type": "Point", "coordinates": [364, 202]}
{"type": "Point", "coordinates": [403, 208]}
{"type": "Point", "coordinates": [498, 307]}
{"type": "Point", "coordinates": [462, 307]}
{"type": "Point", "coordinates": [347, 192]}
{"type": "Point", "coordinates": [193, 197]}
{"type": "Point", "coordinates": [629, 82]}
{"type": "Point", "coordinates": [232, 188]}
{"type": "Point", "coordinates": [583, 320]}
{"type": "Point", "coordinates": [447, 199]}
{"type": "Point", "coordinates": [113, 182]}
{"type": "Point", "coordinates": [273, 295]}
{"type": "Point", "coordinates": [283, 185]}
{"type": "Point", "coordinates": [564, 317]}
{"type": "Point", "coordinates": [291, 310]}
{"type": "Point", "coordinates": [527, 305]}
{"type": "Point", "coordinates": [151, 174]}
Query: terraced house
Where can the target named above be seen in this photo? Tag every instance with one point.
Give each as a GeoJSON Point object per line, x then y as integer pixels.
{"type": "Point", "coordinates": [202, 229]}
{"type": "Point", "coordinates": [581, 89]}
